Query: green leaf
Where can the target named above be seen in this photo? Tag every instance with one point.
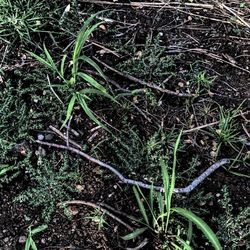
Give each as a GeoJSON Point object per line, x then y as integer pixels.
{"type": "Point", "coordinates": [88, 112]}
{"type": "Point", "coordinates": [62, 65]}
{"type": "Point", "coordinates": [93, 64]}
{"type": "Point", "coordinates": [96, 92]}
{"type": "Point", "coordinates": [201, 224]}
{"type": "Point", "coordinates": [69, 109]}
{"type": "Point", "coordinates": [28, 244]}
{"type": "Point", "coordinates": [134, 234]}
{"type": "Point", "coordinates": [42, 61]}
{"type": "Point", "coordinates": [33, 244]}
{"type": "Point", "coordinates": [92, 81]}
{"type": "Point", "coordinates": [141, 205]}
{"type": "Point", "coordinates": [51, 61]}
{"type": "Point", "coordinates": [39, 229]}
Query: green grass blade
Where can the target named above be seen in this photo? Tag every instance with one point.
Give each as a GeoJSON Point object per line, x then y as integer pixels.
{"type": "Point", "coordinates": [42, 61]}
{"type": "Point", "coordinates": [141, 205]}
{"type": "Point", "coordinates": [92, 81]}
{"type": "Point", "coordinates": [172, 184]}
{"type": "Point", "coordinates": [88, 112]}
{"type": "Point", "coordinates": [39, 229]}
{"type": "Point", "coordinates": [134, 234]}
{"type": "Point", "coordinates": [63, 65]}
{"type": "Point", "coordinates": [33, 244]}
{"type": "Point", "coordinates": [69, 110]}
{"type": "Point", "coordinates": [80, 41]}
{"type": "Point", "coordinates": [96, 92]}
{"type": "Point", "coordinates": [51, 61]}
{"type": "Point", "coordinates": [201, 224]}
{"type": "Point", "coordinates": [27, 244]}
{"type": "Point", "coordinates": [93, 64]}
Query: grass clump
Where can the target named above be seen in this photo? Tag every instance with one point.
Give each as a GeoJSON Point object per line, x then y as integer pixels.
{"type": "Point", "coordinates": [157, 210]}
{"type": "Point", "coordinates": [79, 85]}
{"type": "Point", "coordinates": [20, 18]}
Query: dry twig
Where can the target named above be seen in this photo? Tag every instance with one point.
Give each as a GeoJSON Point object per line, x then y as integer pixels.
{"type": "Point", "coordinates": [150, 85]}
{"type": "Point", "coordinates": [128, 181]}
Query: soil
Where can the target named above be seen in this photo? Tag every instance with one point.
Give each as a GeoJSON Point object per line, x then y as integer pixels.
{"type": "Point", "coordinates": [212, 37]}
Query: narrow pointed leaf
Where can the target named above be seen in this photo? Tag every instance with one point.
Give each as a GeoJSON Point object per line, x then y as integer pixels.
{"type": "Point", "coordinates": [93, 64]}
{"type": "Point", "coordinates": [141, 205]}
{"type": "Point", "coordinates": [69, 110]}
{"type": "Point", "coordinates": [92, 81]}
{"type": "Point", "coordinates": [63, 65]}
{"type": "Point", "coordinates": [134, 234]}
{"type": "Point", "coordinates": [201, 224]}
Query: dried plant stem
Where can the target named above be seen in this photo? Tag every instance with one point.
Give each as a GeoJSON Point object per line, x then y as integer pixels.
{"type": "Point", "coordinates": [150, 85]}
{"type": "Point", "coordinates": [125, 180]}
{"type": "Point", "coordinates": [172, 5]}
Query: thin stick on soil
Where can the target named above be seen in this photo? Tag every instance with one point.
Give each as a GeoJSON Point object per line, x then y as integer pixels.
{"type": "Point", "coordinates": [141, 184]}
{"type": "Point", "coordinates": [60, 134]}
{"type": "Point", "coordinates": [150, 85]}
{"type": "Point", "coordinates": [173, 5]}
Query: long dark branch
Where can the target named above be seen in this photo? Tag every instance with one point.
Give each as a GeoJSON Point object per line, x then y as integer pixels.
{"type": "Point", "coordinates": [125, 180]}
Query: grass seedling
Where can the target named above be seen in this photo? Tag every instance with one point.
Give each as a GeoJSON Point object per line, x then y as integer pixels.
{"type": "Point", "coordinates": [226, 133]}
{"type": "Point", "coordinates": [157, 210]}
{"type": "Point", "coordinates": [30, 243]}
{"type": "Point", "coordinates": [79, 85]}
{"type": "Point", "coordinates": [18, 19]}
{"type": "Point", "coordinates": [98, 217]}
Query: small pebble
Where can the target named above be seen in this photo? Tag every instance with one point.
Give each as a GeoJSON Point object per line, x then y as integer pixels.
{"type": "Point", "coordinates": [49, 137]}
{"type": "Point", "coordinates": [40, 137]}
{"type": "Point", "coordinates": [22, 239]}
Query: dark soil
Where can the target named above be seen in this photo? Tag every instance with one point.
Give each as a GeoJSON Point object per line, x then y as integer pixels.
{"type": "Point", "coordinates": [205, 40]}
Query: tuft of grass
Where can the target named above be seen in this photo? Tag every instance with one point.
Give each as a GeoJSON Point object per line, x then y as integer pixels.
{"type": "Point", "coordinates": [19, 19]}
{"type": "Point", "coordinates": [157, 218]}
{"type": "Point", "coordinates": [226, 133]}
{"type": "Point", "coordinates": [79, 85]}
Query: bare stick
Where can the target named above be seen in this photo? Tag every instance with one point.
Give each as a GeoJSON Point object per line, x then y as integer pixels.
{"type": "Point", "coordinates": [150, 85]}
{"type": "Point", "coordinates": [175, 5]}
{"type": "Point", "coordinates": [200, 127]}
{"type": "Point", "coordinates": [125, 180]}
{"type": "Point", "coordinates": [90, 204]}
{"type": "Point", "coordinates": [64, 137]}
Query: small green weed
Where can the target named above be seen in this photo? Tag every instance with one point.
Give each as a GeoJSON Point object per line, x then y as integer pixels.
{"type": "Point", "coordinates": [200, 82]}
{"type": "Point", "coordinates": [99, 218]}
{"type": "Point", "coordinates": [18, 19]}
{"type": "Point", "coordinates": [80, 86]}
{"type": "Point", "coordinates": [157, 218]}
{"type": "Point", "coordinates": [30, 243]}
{"type": "Point", "coordinates": [226, 133]}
